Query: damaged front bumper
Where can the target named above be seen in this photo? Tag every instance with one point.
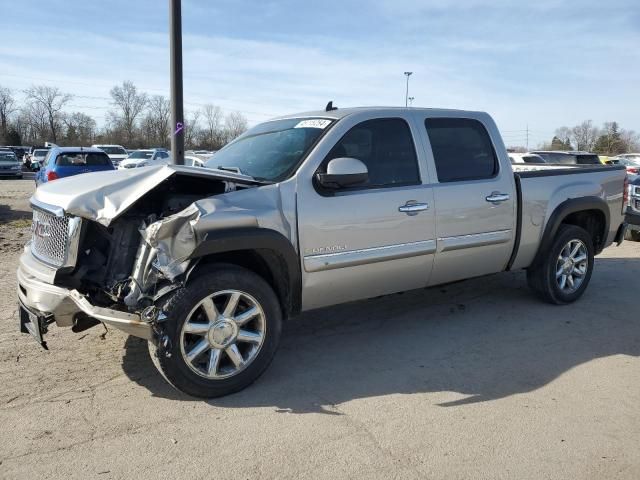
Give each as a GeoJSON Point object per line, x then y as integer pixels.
{"type": "Point", "coordinates": [50, 303]}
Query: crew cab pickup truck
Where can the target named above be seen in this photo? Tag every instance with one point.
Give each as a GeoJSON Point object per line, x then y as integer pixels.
{"type": "Point", "coordinates": [298, 213]}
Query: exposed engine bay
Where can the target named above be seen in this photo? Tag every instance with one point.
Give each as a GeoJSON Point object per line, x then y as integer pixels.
{"type": "Point", "coordinates": [127, 265]}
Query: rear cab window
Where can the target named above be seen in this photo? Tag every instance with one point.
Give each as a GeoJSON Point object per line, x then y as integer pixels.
{"type": "Point", "coordinates": [462, 149]}
{"type": "Point", "coordinates": [587, 160]}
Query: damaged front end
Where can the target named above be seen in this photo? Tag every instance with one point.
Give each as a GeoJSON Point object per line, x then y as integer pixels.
{"type": "Point", "coordinates": [137, 237]}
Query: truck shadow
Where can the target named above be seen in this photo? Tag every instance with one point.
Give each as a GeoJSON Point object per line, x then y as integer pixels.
{"type": "Point", "coordinates": [474, 341]}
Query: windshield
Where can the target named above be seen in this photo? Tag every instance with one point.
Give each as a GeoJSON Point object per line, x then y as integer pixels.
{"type": "Point", "coordinates": [141, 154]}
{"type": "Point", "coordinates": [113, 150]}
{"type": "Point", "coordinates": [271, 150]}
{"type": "Point", "coordinates": [40, 153]}
{"type": "Point", "coordinates": [8, 157]}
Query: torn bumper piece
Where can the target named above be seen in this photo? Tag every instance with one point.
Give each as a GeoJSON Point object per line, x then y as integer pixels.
{"type": "Point", "coordinates": [46, 300]}
{"type": "Point", "coordinates": [174, 239]}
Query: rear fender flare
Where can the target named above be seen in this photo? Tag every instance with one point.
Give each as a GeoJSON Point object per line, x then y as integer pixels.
{"type": "Point", "coordinates": [566, 208]}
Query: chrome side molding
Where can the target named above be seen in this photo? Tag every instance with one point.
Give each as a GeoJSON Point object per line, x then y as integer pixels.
{"type": "Point", "coordinates": [330, 261]}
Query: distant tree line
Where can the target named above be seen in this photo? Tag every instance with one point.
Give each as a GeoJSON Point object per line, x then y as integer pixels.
{"type": "Point", "coordinates": [610, 139]}
{"type": "Point", "coordinates": [135, 119]}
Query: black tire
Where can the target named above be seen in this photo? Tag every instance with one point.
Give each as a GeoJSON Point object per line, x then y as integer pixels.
{"type": "Point", "coordinates": [169, 358]}
{"type": "Point", "coordinates": [542, 277]}
{"type": "Point", "coordinates": [632, 235]}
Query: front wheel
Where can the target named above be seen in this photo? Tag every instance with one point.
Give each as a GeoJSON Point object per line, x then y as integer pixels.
{"type": "Point", "coordinates": [564, 272]}
{"type": "Point", "coordinates": [223, 329]}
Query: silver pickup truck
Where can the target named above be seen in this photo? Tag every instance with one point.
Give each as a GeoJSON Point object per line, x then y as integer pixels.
{"type": "Point", "coordinates": [302, 212]}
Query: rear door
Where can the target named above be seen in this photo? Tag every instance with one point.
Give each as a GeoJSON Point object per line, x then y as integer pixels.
{"type": "Point", "coordinates": [372, 239]}
{"type": "Point", "coordinates": [474, 197]}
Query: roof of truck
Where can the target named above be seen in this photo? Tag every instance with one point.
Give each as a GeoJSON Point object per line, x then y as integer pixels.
{"type": "Point", "coordinates": [343, 112]}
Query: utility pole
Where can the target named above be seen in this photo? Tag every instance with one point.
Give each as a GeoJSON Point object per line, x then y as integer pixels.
{"type": "Point", "coordinates": [527, 137]}
{"type": "Point", "coordinates": [406, 96]}
{"type": "Point", "coordinates": [177, 112]}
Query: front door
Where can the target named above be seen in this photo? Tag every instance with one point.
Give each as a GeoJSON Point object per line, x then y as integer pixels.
{"type": "Point", "coordinates": [373, 239]}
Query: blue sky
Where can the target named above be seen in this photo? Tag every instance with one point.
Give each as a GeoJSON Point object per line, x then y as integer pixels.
{"type": "Point", "coordinates": [538, 63]}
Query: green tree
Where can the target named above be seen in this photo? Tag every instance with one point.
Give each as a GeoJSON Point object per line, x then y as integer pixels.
{"type": "Point", "coordinates": [609, 142]}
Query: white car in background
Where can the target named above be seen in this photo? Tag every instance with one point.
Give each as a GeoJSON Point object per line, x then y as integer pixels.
{"type": "Point", "coordinates": [193, 161]}
{"type": "Point", "coordinates": [116, 153]}
{"type": "Point", "coordinates": [525, 158]}
{"type": "Point", "coordinates": [145, 158]}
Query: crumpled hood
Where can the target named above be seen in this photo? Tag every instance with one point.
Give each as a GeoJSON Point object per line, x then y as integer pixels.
{"type": "Point", "coordinates": [103, 196]}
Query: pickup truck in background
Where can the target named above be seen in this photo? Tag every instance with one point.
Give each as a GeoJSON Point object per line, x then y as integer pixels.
{"type": "Point", "coordinates": [298, 213]}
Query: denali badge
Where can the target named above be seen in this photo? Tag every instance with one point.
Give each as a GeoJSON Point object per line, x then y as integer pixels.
{"type": "Point", "coordinates": [41, 229]}
{"type": "Point", "coordinates": [328, 249]}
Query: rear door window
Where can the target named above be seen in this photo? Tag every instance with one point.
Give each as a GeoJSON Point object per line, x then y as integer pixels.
{"type": "Point", "coordinates": [462, 149]}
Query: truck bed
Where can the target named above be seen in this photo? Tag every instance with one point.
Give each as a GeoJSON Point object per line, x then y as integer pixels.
{"type": "Point", "coordinates": [542, 188]}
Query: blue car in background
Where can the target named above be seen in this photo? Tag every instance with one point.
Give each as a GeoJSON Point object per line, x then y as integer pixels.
{"type": "Point", "coordinates": [63, 162]}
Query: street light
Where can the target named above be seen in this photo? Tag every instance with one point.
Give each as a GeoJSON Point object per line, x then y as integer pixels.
{"type": "Point", "coordinates": [406, 97]}
{"type": "Point", "coordinates": [177, 113]}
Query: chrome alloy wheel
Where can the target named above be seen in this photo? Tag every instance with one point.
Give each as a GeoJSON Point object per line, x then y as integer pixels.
{"type": "Point", "coordinates": [223, 334]}
{"type": "Point", "coordinates": [571, 266]}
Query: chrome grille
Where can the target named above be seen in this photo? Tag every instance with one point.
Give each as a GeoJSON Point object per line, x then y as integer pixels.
{"type": "Point", "coordinates": [50, 237]}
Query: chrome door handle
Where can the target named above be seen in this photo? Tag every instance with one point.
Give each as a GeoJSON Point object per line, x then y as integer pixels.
{"type": "Point", "coordinates": [497, 197]}
{"type": "Point", "coordinates": [413, 208]}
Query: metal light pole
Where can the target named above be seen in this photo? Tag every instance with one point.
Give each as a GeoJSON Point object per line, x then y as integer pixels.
{"type": "Point", "coordinates": [177, 113]}
{"type": "Point", "coordinates": [406, 96]}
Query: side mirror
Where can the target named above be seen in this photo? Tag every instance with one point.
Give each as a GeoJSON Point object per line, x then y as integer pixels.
{"type": "Point", "coordinates": [343, 172]}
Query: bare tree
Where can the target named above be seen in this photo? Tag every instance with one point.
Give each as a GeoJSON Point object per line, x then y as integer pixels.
{"type": "Point", "coordinates": [585, 135]}
{"type": "Point", "coordinates": [630, 141]}
{"type": "Point", "coordinates": [36, 120]}
{"type": "Point", "coordinates": [80, 129]}
{"type": "Point", "coordinates": [212, 132]}
{"type": "Point", "coordinates": [129, 104]}
{"type": "Point", "coordinates": [7, 107]}
{"type": "Point", "coordinates": [191, 129]}
{"type": "Point", "coordinates": [564, 135]}
{"type": "Point", "coordinates": [52, 100]}
{"type": "Point", "coordinates": [158, 117]}
{"type": "Point", "coordinates": [235, 124]}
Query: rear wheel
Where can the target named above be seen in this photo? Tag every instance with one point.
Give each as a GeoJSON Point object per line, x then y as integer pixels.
{"type": "Point", "coordinates": [563, 274]}
{"type": "Point", "coordinates": [223, 331]}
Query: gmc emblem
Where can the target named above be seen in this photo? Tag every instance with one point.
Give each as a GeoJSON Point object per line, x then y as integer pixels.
{"type": "Point", "coordinates": [41, 229]}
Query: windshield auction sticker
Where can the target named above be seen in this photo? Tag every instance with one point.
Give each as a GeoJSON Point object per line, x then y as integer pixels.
{"type": "Point", "coordinates": [313, 123]}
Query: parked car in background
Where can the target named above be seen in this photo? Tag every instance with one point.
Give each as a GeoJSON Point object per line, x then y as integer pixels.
{"type": "Point", "coordinates": [193, 161]}
{"type": "Point", "coordinates": [19, 151]}
{"type": "Point", "coordinates": [302, 212]}
{"type": "Point", "coordinates": [10, 166]}
{"type": "Point", "coordinates": [145, 158]}
{"type": "Point", "coordinates": [64, 162]}
{"type": "Point", "coordinates": [525, 158]}
{"type": "Point", "coordinates": [632, 165]}
{"type": "Point", "coordinates": [629, 156]}
{"type": "Point", "coordinates": [36, 158]}
{"type": "Point", "coordinates": [117, 153]}
{"type": "Point", "coordinates": [569, 158]}
{"type": "Point", "coordinates": [632, 214]}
